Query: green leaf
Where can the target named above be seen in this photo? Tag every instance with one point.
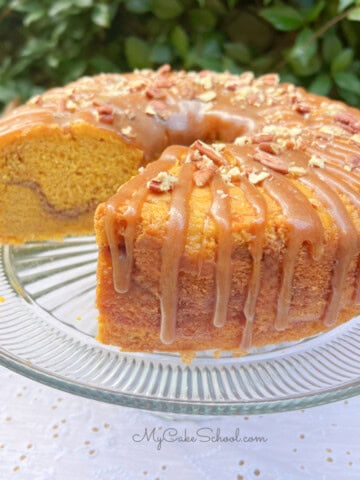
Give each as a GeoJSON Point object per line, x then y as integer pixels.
{"type": "Point", "coordinates": [305, 47]}
{"type": "Point", "coordinates": [166, 9]}
{"type": "Point", "coordinates": [349, 97]}
{"type": "Point", "coordinates": [83, 3]}
{"type": "Point", "coordinates": [137, 52]}
{"type": "Point", "coordinates": [229, 65]}
{"type": "Point", "coordinates": [180, 40]}
{"type": "Point", "coordinates": [331, 47]}
{"type": "Point", "coordinates": [138, 6]}
{"type": "Point", "coordinates": [321, 85]}
{"type": "Point", "coordinates": [313, 13]}
{"type": "Point", "coordinates": [283, 18]}
{"type": "Point", "coordinates": [161, 54]}
{"type": "Point", "coordinates": [60, 6]}
{"type": "Point", "coordinates": [354, 14]}
{"type": "Point", "coordinates": [342, 61]}
{"type": "Point", "coordinates": [33, 17]}
{"type": "Point", "coordinates": [347, 81]}
{"type": "Point", "coordinates": [238, 51]}
{"type": "Point", "coordinates": [202, 20]}
{"type": "Point", "coordinates": [101, 15]}
{"type": "Point", "coordinates": [344, 4]}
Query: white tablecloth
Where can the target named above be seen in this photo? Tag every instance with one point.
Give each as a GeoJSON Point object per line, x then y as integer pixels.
{"type": "Point", "coordinates": [47, 434]}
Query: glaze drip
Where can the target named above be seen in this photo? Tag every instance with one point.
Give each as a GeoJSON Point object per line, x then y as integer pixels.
{"type": "Point", "coordinates": [256, 249]}
{"type": "Point", "coordinates": [304, 226]}
{"type": "Point", "coordinates": [172, 251]}
{"type": "Point", "coordinates": [221, 213]}
{"type": "Point", "coordinates": [121, 245]}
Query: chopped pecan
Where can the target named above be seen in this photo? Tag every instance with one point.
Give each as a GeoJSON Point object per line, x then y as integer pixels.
{"type": "Point", "coordinates": [257, 177]}
{"type": "Point", "coordinates": [165, 69]}
{"type": "Point", "coordinates": [128, 132]}
{"type": "Point", "coordinates": [231, 85]}
{"type": "Point", "coordinates": [348, 122]}
{"type": "Point", "coordinates": [316, 161]}
{"type": "Point", "coordinates": [270, 80]}
{"type": "Point", "coordinates": [163, 82]}
{"type": "Point", "coordinates": [203, 176]}
{"type": "Point", "coordinates": [272, 148]}
{"type": "Point", "coordinates": [354, 161]}
{"type": "Point", "coordinates": [207, 96]}
{"type": "Point", "coordinates": [271, 161]}
{"type": "Point", "coordinates": [106, 113]}
{"type": "Point", "coordinates": [37, 100]}
{"type": "Point", "coordinates": [207, 150]}
{"type": "Point", "coordinates": [163, 182]}
{"type": "Point", "coordinates": [263, 137]}
{"type": "Point", "coordinates": [302, 108]}
{"type": "Point", "coordinates": [157, 107]}
{"type": "Point", "coordinates": [153, 92]}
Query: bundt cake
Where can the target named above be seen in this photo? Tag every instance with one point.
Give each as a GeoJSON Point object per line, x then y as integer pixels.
{"type": "Point", "coordinates": [243, 233]}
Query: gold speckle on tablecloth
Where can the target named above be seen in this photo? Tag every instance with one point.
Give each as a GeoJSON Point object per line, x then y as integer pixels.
{"type": "Point", "coordinates": [328, 450]}
{"type": "Point", "coordinates": [106, 425]}
{"type": "Point", "coordinates": [163, 467]}
{"type": "Point", "coordinates": [241, 463]}
{"type": "Point", "coordinates": [95, 429]}
{"type": "Point", "coordinates": [16, 469]}
{"type": "Point", "coordinates": [329, 459]}
{"type": "Point", "coordinates": [239, 477]}
{"type": "Point", "coordinates": [22, 458]}
{"type": "Point", "coordinates": [78, 318]}
{"type": "Point", "coordinates": [87, 442]}
{"type": "Point", "coordinates": [29, 446]}
{"type": "Point", "coordinates": [2, 299]}
{"type": "Point", "coordinates": [56, 435]}
{"type": "Point", "coordinates": [257, 472]}
{"type": "Point", "coordinates": [91, 452]}
{"type": "Point", "coordinates": [302, 436]}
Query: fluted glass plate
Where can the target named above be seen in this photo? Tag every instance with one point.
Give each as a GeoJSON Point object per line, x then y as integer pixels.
{"type": "Point", "coordinates": [48, 328]}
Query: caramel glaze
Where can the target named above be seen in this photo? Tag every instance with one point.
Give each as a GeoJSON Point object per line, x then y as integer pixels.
{"type": "Point", "coordinates": [287, 137]}
{"type": "Point", "coordinates": [309, 141]}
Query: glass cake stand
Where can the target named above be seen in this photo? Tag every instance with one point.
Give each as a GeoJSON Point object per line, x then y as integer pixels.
{"type": "Point", "coordinates": [48, 327]}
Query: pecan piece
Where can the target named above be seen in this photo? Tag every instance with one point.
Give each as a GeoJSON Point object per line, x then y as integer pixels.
{"type": "Point", "coordinates": [153, 92]}
{"type": "Point", "coordinates": [271, 161]}
{"type": "Point", "coordinates": [203, 176]}
{"type": "Point", "coordinates": [208, 151]}
{"type": "Point", "coordinates": [348, 122]}
{"type": "Point", "coordinates": [165, 69]}
{"type": "Point", "coordinates": [272, 148]}
{"type": "Point", "coordinates": [163, 182]}
{"type": "Point", "coordinates": [302, 108]}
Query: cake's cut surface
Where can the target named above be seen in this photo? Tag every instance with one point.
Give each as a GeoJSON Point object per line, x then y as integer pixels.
{"type": "Point", "coordinates": [231, 246]}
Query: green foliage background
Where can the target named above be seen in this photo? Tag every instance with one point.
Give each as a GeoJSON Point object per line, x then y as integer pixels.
{"type": "Point", "coordinates": [50, 42]}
